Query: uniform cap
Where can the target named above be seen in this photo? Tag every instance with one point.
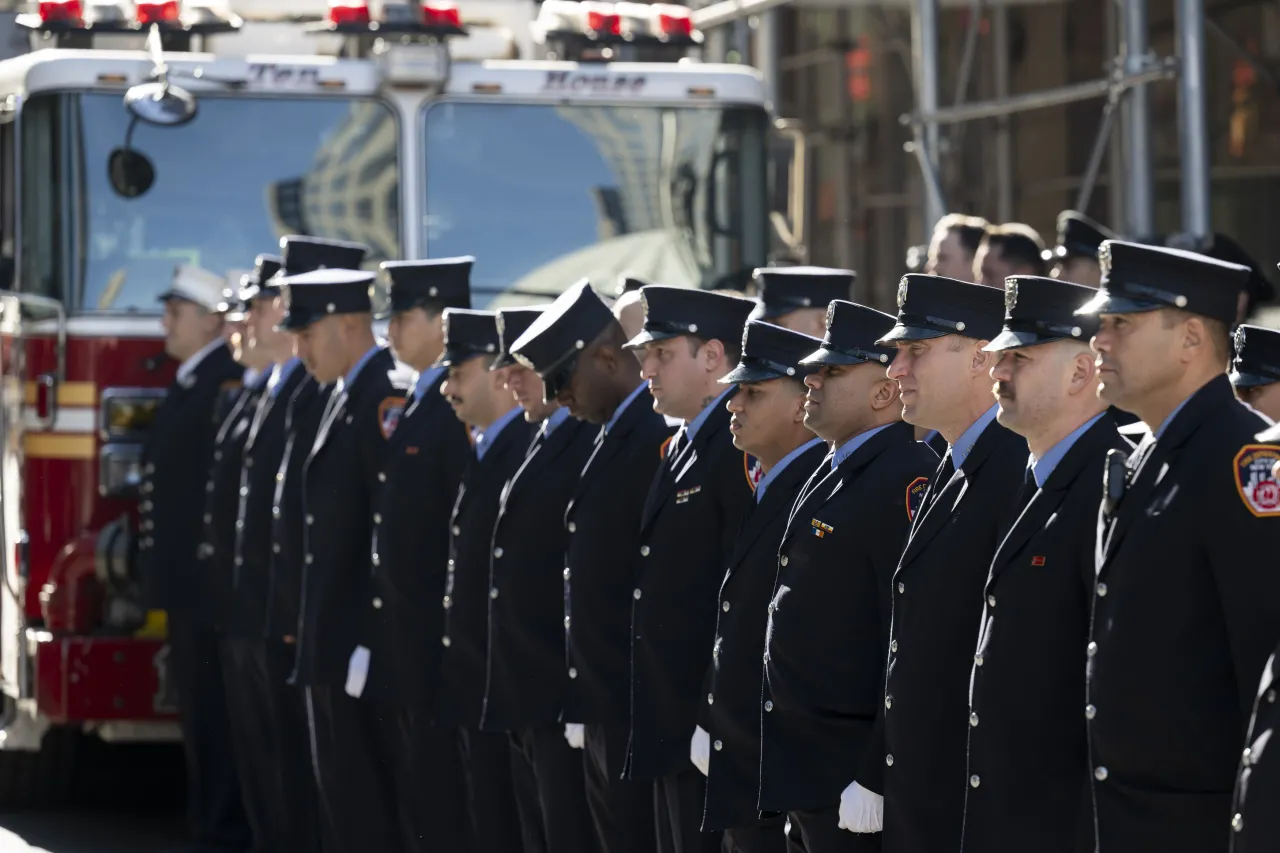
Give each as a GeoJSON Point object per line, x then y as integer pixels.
{"type": "Point", "coordinates": [853, 332]}
{"type": "Point", "coordinates": [1038, 310]}
{"type": "Point", "coordinates": [299, 254]}
{"type": "Point", "coordinates": [552, 343]}
{"type": "Point", "coordinates": [930, 306]}
{"type": "Point", "coordinates": [512, 323]}
{"type": "Point", "coordinates": [258, 282]}
{"type": "Point", "coordinates": [193, 284]}
{"type": "Point", "coordinates": [1257, 358]}
{"type": "Point", "coordinates": [771, 352]}
{"type": "Point", "coordinates": [312, 296]}
{"type": "Point", "coordinates": [1137, 278]}
{"type": "Point", "coordinates": [232, 307]}
{"type": "Point", "coordinates": [782, 290]}
{"type": "Point", "coordinates": [443, 282]}
{"type": "Point", "coordinates": [1223, 248]}
{"type": "Point", "coordinates": [670, 312]}
{"type": "Point", "coordinates": [1077, 235]}
{"type": "Point", "coordinates": [467, 334]}
{"type": "Point", "coordinates": [628, 283]}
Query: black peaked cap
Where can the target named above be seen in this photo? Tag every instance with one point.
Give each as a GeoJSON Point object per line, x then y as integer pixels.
{"type": "Point", "coordinates": [467, 334]}
{"type": "Point", "coordinates": [1257, 358]}
{"type": "Point", "coordinates": [512, 323]}
{"type": "Point", "coordinates": [440, 282]}
{"type": "Point", "coordinates": [299, 254]}
{"type": "Point", "coordinates": [1137, 278]}
{"type": "Point", "coordinates": [314, 295]}
{"type": "Point", "coordinates": [258, 282]}
{"type": "Point", "coordinates": [1078, 235]}
{"type": "Point", "coordinates": [628, 283]}
{"type": "Point", "coordinates": [853, 335]}
{"type": "Point", "coordinates": [1038, 310]}
{"type": "Point", "coordinates": [551, 345]}
{"type": "Point", "coordinates": [782, 290]}
{"type": "Point", "coordinates": [930, 306]}
{"type": "Point", "coordinates": [670, 312]}
{"type": "Point", "coordinates": [771, 352]}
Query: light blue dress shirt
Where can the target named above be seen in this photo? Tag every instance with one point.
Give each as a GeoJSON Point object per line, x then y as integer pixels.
{"type": "Point", "coordinates": [1041, 468]}
{"type": "Point", "coordinates": [426, 379]}
{"type": "Point", "coordinates": [279, 374]}
{"type": "Point", "coordinates": [486, 438]}
{"type": "Point", "coordinates": [781, 466]}
{"type": "Point", "coordinates": [617, 413]}
{"type": "Point", "coordinates": [691, 428]}
{"type": "Point", "coordinates": [845, 450]}
{"type": "Point", "coordinates": [554, 420]}
{"type": "Point", "coordinates": [961, 449]}
{"type": "Point", "coordinates": [1164, 426]}
{"type": "Point", "coordinates": [359, 365]}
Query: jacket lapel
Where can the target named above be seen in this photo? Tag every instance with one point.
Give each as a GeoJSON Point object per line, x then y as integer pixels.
{"type": "Point", "coordinates": [546, 457]}
{"type": "Point", "coordinates": [669, 474]}
{"type": "Point", "coordinates": [608, 445]}
{"type": "Point", "coordinates": [776, 501]}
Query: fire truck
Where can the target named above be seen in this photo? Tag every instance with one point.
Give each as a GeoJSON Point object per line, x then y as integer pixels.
{"type": "Point", "coordinates": [552, 142]}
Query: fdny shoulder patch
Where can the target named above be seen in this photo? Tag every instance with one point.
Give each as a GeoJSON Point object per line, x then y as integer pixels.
{"type": "Point", "coordinates": [389, 412]}
{"type": "Point", "coordinates": [1257, 487]}
{"type": "Point", "coordinates": [753, 469]}
{"type": "Point", "coordinates": [915, 496]}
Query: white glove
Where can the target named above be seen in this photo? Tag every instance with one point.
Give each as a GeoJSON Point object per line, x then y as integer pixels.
{"type": "Point", "coordinates": [573, 732]}
{"type": "Point", "coordinates": [700, 749]}
{"type": "Point", "coordinates": [861, 810]}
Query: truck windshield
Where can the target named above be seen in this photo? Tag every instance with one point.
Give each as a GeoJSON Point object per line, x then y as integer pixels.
{"type": "Point", "coordinates": [544, 195]}
{"type": "Point", "coordinates": [227, 186]}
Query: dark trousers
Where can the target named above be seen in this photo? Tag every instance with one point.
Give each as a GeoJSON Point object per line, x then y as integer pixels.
{"type": "Point", "coordinates": [358, 802]}
{"type": "Point", "coordinates": [214, 812]}
{"type": "Point", "coordinates": [621, 810]}
{"type": "Point", "coordinates": [487, 765]}
{"type": "Point", "coordinates": [768, 837]}
{"type": "Point", "coordinates": [678, 802]}
{"type": "Point", "coordinates": [819, 832]}
{"type": "Point", "coordinates": [558, 793]}
{"type": "Point", "coordinates": [298, 823]}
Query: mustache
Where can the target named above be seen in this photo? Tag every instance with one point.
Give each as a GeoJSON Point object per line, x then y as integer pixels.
{"type": "Point", "coordinates": [453, 401]}
{"type": "Point", "coordinates": [1004, 389]}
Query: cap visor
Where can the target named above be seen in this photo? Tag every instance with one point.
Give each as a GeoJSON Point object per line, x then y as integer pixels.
{"type": "Point", "coordinates": [763, 312]}
{"type": "Point", "coordinates": [646, 337]}
{"type": "Point", "coordinates": [828, 356]}
{"type": "Point", "coordinates": [750, 373]}
{"type": "Point", "coordinates": [455, 356]}
{"type": "Point", "coordinates": [1009, 339]}
{"type": "Point", "coordinates": [1249, 380]}
{"type": "Point", "coordinates": [504, 359]}
{"type": "Point", "coordinates": [247, 293]}
{"type": "Point", "coordinates": [909, 333]}
{"type": "Point", "coordinates": [1106, 303]}
{"type": "Point", "coordinates": [296, 322]}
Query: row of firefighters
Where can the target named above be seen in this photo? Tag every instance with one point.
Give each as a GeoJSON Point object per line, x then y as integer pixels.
{"type": "Point", "coordinates": [671, 575]}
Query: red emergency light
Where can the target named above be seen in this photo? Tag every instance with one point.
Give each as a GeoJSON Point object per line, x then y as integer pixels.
{"type": "Point", "coordinates": [344, 13]}
{"type": "Point", "coordinates": [662, 24]}
{"type": "Point", "coordinates": [441, 15]}
{"type": "Point", "coordinates": [62, 12]}
{"type": "Point", "coordinates": [151, 12]}
{"type": "Point", "coordinates": [68, 17]}
{"type": "Point", "coordinates": [356, 18]}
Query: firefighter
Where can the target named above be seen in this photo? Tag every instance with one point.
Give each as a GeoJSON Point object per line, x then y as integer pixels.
{"type": "Point", "coordinates": [767, 421]}
{"type": "Point", "coordinates": [330, 312]}
{"type": "Point", "coordinates": [830, 585]}
{"type": "Point", "coordinates": [1255, 820]}
{"type": "Point", "coordinates": [526, 681]}
{"type": "Point", "coordinates": [954, 244]}
{"type": "Point", "coordinates": [176, 463]}
{"type": "Point", "coordinates": [1075, 256]}
{"type": "Point", "coordinates": [1186, 603]}
{"type": "Point", "coordinates": [287, 434]}
{"type": "Point", "coordinates": [1255, 370]}
{"type": "Point", "coordinates": [1026, 785]}
{"type": "Point", "coordinates": [941, 372]}
{"type": "Point", "coordinates": [576, 347]}
{"type": "Point", "coordinates": [502, 437]}
{"type": "Point", "coordinates": [283, 819]}
{"type": "Point", "coordinates": [796, 297]}
{"type": "Point", "coordinates": [690, 339]}
{"type": "Point", "coordinates": [1009, 249]}
{"type": "Point", "coordinates": [426, 456]}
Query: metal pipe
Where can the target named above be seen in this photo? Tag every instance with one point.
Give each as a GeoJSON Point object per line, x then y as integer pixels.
{"type": "Point", "coordinates": [1004, 138]}
{"type": "Point", "coordinates": [1100, 145]}
{"type": "Point", "coordinates": [767, 53]}
{"type": "Point", "coordinates": [1192, 126]}
{"type": "Point", "coordinates": [924, 49]}
{"type": "Point", "coordinates": [1040, 100]}
{"type": "Point", "coordinates": [1115, 142]}
{"type": "Point", "coordinates": [934, 198]}
{"type": "Point", "coordinates": [1139, 189]}
{"type": "Point", "coordinates": [730, 10]}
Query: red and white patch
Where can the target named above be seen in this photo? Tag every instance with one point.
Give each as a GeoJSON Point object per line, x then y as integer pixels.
{"type": "Point", "coordinates": [753, 469]}
{"type": "Point", "coordinates": [389, 412]}
{"type": "Point", "coordinates": [916, 490]}
{"type": "Point", "coordinates": [1254, 481]}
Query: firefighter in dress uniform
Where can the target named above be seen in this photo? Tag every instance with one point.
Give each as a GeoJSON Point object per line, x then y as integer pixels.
{"type": "Point", "coordinates": [176, 463]}
{"type": "Point", "coordinates": [576, 347]}
{"type": "Point", "coordinates": [694, 507]}
{"type": "Point", "coordinates": [289, 427]}
{"type": "Point", "coordinates": [426, 454]}
{"type": "Point", "coordinates": [1027, 747]}
{"type": "Point", "coordinates": [767, 421]}
{"type": "Point", "coordinates": [1075, 256]}
{"type": "Point", "coordinates": [525, 679]}
{"type": "Point", "coordinates": [1186, 605]}
{"type": "Point", "coordinates": [797, 297]}
{"type": "Point", "coordinates": [828, 613]}
{"type": "Point", "coordinates": [1255, 811]}
{"type": "Point", "coordinates": [283, 818]}
{"type": "Point", "coordinates": [502, 438]}
{"type": "Point", "coordinates": [922, 731]}
{"type": "Point", "coordinates": [330, 312]}
{"type": "Point", "coordinates": [1255, 370]}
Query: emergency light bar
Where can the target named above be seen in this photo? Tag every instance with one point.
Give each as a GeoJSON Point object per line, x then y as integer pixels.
{"type": "Point", "coordinates": [435, 18]}
{"type": "Point", "coordinates": [616, 23]}
{"type": "Point", "coordinates": [198, 17]}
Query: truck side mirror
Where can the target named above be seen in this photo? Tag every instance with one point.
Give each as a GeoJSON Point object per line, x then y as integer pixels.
{"type": "Point", "coordinates": [788, 186]}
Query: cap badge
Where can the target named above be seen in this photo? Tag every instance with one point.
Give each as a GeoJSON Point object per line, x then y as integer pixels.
{"type": "Point", "coordinates": [524, 360]}
{"type": "Point", "coordinates": [644, 304]}
{"type": "Point", "coordinates": [1010, 294]}
{"type": "Point", "coordinates": [1104, 259]}
{"type": "Point", "coordinates": [902, 292]}
{"type": "Point", "coordinates": [1239, 339]}
{"type": "Point", "coordinates": [831, 314]}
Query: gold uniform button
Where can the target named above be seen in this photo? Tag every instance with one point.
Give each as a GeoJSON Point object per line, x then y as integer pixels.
{"type": "Point", "coordinates": [382, 478]}
{"type": "Point", "coordinates": [311, 519]}
{"type": "Point", "coordinates": [768, 705]}
{"type": "Point", "coordinates": [566, 573]}
{"type": "Point", "coordinates": [973, 719]}
{"type": "Point", "coordinates": [902, 587]}
{"type": "Point", "coordinates": [784, 560]}
{"type": "Point", "coordinates": [1091, 649]}
{"type": "Point", "coordinates": [457, 530]}
{"type": "Point", "coordinates": [377, 603]}
{"type": "Point", "coordinates": [497, 552]}
{"type": "Point", "coordinates": [888, 760]}
{"type": "Point", "coordinates": [893, 646]}
{"type": "Point", "coordinates": [635, 593]}
{"type": "Point", "coordinates": [1237, 822]}
{"type": "Point", "coordinates": [725, 606]}
{"type": "Point", "coordinates": [711, 699]}
{"type": "Point", "coordinates": [445, 641]}
{"type": "Point", "coordinates": [644, 550]}
{"type": "Point", "coordinates": [974, 781]}
{"type": "Point", "coordinates": [573, 528]}
{"type": "Point", "coordinates": [493, 593]}
{"type": "Point", "coordinates": [1102, 590]}
{"type": "Point", "coordinates": [377, 518]}
{"type": "Point", "coordinates": [991, 601]}
{"type": "Point", "coordinates": [309, 559]}
{"type": "Point", "coordinates": [573, 672]}
{"type": "Point", "coordinates": [888, 702]}
{"type": "Point", "coordinates": [1100, 773]}
{"type": "Point", "coordinates": [977, 660]}
{"type": "Point", "coordinates": [718, 745]}
{"type": "Point", "coordinates": [1090, 711]}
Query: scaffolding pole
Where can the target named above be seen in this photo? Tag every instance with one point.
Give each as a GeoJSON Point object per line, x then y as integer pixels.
{"type": "Point", "coordinates": [1192, 126]}
{"type": "Point", "coordinates": [768, 53]}
{"type": "Point", "coordinates": [1139, 193]}
{"type": "Point", "coordinates": [924, 50]}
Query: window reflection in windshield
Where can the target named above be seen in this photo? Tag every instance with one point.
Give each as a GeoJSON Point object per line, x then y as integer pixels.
{"type": "Point", "coordinates": [543, 195]}
{"type": "Point", "coordinates": [228, 185]}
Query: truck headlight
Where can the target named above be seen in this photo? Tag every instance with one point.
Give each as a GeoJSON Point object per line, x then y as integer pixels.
{"type": "Point", "coordinates": [125, 419]}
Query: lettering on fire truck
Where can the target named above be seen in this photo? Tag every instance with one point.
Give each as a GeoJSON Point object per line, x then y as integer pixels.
{"type": "Point", "coordinates": [598, 84]}
{"type": "Point", "coordinates": [271, 74]}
